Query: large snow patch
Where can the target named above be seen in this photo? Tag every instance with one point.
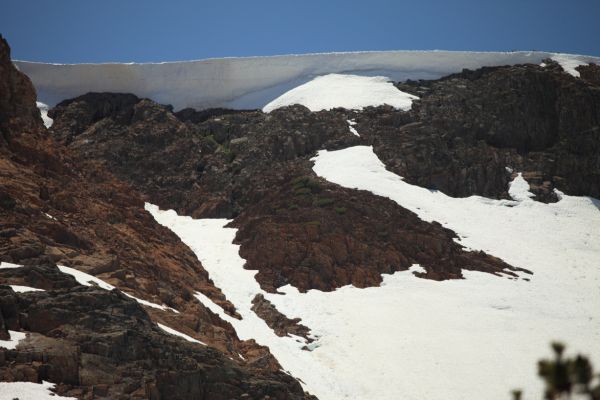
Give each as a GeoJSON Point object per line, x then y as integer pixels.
{"type": "Point", "coordinates": [253, 82]}
{"type": "Point", "coordinates": [412, 338]}
{"type": "Point", "coordinates": [347, 91]}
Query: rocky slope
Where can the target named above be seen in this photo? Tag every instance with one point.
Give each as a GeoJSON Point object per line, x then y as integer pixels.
{"type": "Point", "coordinates": [469, 127]}
{"type": "Point", "coordinates": [59, 207]}
{"type": "Point", "coordinates": [293, 227]}
{"type": "Point", "coordinates": [75, 194]}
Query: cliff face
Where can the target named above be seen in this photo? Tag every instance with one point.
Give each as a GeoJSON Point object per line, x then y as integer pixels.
{"type": "Point", "coordinates": [19, 112]}
{"type": "Point", "coordinates": [469, 127]}
{"type": "Point", "coordinates": [57, 207]}
{"type": "Point", "coordinates": [74, 195]}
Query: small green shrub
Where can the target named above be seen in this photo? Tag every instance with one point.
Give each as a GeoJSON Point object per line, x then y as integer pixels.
{"type": "Point", "coordinates": [302, 191]}
{"type": "Point", "coordinates": [323, 202]}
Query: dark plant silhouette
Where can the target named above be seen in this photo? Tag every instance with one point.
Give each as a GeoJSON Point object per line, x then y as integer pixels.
{"type": "Point", "coordinates": [565, 376]}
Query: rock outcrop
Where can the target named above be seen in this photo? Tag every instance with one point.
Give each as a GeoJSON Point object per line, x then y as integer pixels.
{"type": "Point", "coordinates": [101, 344]}
{"type": "Point", "coordinates": [59, 206]}
{"type": "Point", "coordinates": [468, 128]}
{"type": "Point", "coordinates": [293, 227]}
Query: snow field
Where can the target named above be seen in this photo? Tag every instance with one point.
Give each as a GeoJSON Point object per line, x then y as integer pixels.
{"type": "Point", "coordinates": [212, 242]}
{"type": "Point", "coordinates": [253, 82]}
{"type": "Point", "coordinates": [481, 336]}
{"type": "Point", "coordinates": [29, 391]}
{"type": "Point", "coordinates": [411, 338]}
{"type": "Point", "coordinates": [352, 92]}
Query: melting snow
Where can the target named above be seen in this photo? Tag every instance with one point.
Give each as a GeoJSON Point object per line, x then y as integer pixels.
{"type": "Point", "coordinates": [24, 289]}
{"type": "Point", "coordinates": [7, 265]}
{"type": "Point", "coordinates": [351, 124]}
{"type": "Point", "coordinates": [44, 111]}
{"type": "Point", "coordinates": [348, 91]}
{"type": "Point", "coordinates": [15, 338]}
{"type": "Point", "coordinates": [519, 189]}
{"type": "Point", "coordinates": [569, 62]}
{"type": "Point", "coordinates": [177, 333]}
{"type": "Point", "coordinates": [29, 391]}
{"type": "Point", "coordinates": [89, 280]}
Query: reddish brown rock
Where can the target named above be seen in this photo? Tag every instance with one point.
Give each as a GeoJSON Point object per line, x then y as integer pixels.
{"type": "Point", "coordinates": [58, 206]}
{"type": "Point", "coordinates": [315, 235]}
{"type": "Point", "coordinates": [277, 321]}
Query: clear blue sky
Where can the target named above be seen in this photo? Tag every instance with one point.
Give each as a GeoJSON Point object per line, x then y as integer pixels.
{"type": "Point", "coordinates": [71, 31]}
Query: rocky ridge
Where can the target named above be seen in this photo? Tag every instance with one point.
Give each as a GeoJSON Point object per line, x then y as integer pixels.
{"type": "Point", "coordinates": [59, 207]}
{"type": "Point", "coordinates": [293, 227]}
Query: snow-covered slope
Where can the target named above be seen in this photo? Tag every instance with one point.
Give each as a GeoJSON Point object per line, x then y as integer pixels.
{"type": "Point", "coordinates": [255, 81]}
{"type": "Point", "coordinates": [420, 339]}
{"type": "Point", "coordinates": [342, 90]}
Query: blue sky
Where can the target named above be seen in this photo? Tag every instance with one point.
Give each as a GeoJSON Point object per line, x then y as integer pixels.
{"type": "Point", "coordinates": [72, 31]}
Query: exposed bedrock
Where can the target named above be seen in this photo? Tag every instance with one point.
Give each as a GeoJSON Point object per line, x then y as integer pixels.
{"type": "Point", "coordinates": [58, 206]}
{"type": "Point", "coordinates": [293, 227]}
{"type": "Point", "coordinates": [469, 127]}
{"type": "Point", "coordinates": [315, 235]}
{"type": "Point", "coordinates": [101, 344]}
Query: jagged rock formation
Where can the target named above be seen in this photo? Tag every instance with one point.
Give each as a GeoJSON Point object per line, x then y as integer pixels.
{"type": "Point", "coordinates": [467, 128]}
{"type": "Point", "coordinates": [101, 344]}
{"type": "Point", "coordinates": [293, 227]}
{"type": "Point", "coordinates": [314, 235]}
{"type": "Point", "coordinates": [277, 321]}
{"type": "Point", "coordinates": [59, 207]}
{"type": "Point", "coordinates": [198, 165]}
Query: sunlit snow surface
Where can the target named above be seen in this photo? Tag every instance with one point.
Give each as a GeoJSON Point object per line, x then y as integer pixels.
{"type": "Point", "coordinates": [348, 91]}
{"type": "Point", "coordinates": [419, 339]}
{"type": "Point", "coordinates": [569, 62]}
{"type": "Point", "coordinates": [44, 111]}
{"type": "Point", "coordinates": [29, 391]}
{"type": "Point", "coordinates": [253, 82]}
{"type": "Point", "coordinates": [24, 289]}
{"type": "Point", "coordinates": [15, 338]}
{"type": "Point", "coordinates": [89, 280]}
{"type": "Point", "coordinates": [180, 334]}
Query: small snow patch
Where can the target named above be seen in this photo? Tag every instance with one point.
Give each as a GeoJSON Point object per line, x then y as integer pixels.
{"type": "Point", "coordinates": [44, 111]}
{"type": "Point", "coordinates": [352, 92]}
{"type": "Point", "coordinates": [6, 265]}
{"type": "Point", "coordinates": [50, 216]}
{"type": "Point", "coordinates": [15, 338]}
{"type": "Point", "coordinates": [351, 124]}
{"type": "Point", "coordinates": [89, 280]}
{"type": "Point", "coordinates": [211, 305]}
{"type": "Point", "coordinates": [29, 391]}
{"type": "Point", "coordinates": [181, 335]}
{"type": "Point", "coordinates": [519, 189]}
{"type": "Point", "coordinates": [569, 63]}
{"type": "Point", "coordinates": [24, 289]}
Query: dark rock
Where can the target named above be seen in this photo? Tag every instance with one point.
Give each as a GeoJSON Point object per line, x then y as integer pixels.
{"type": "Point", "coordinates": [281, 325]}
{"type": "Point", "coordinates": [101, 343]}
{"type": "Point", "coordinates": [468, 127]}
